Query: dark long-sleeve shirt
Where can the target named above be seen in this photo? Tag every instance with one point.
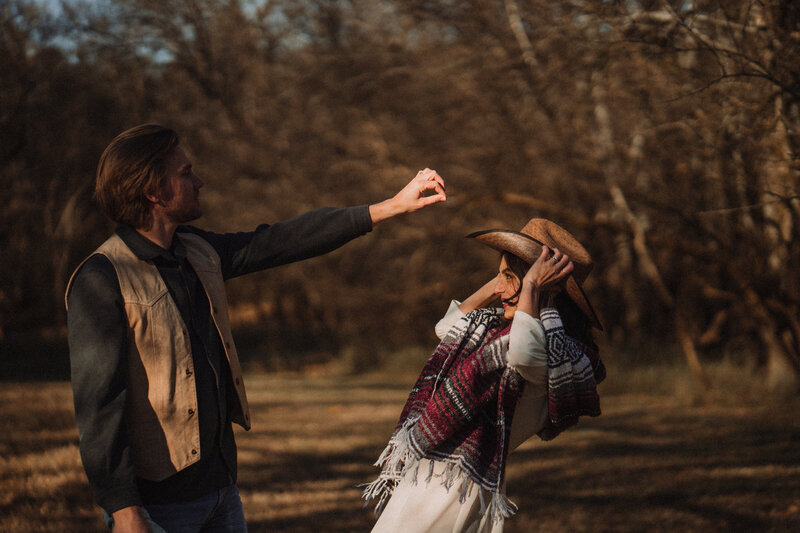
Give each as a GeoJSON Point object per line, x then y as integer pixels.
{"type": "Point", "coordinates": [98, 327]}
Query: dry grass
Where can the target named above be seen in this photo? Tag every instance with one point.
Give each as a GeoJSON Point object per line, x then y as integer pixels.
{"type": "Point", "coordinates": [650, 463]}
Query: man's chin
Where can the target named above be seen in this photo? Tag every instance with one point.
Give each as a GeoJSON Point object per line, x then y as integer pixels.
{"type": "Point", "coordinates": [185, 218]}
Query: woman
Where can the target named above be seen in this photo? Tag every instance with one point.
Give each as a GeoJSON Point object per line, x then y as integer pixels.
{"type": "Point", "coordinates": [487, 387]}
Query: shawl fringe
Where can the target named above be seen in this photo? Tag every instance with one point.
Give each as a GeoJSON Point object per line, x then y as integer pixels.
{"type": "Point", "coordinates": [499, 505]}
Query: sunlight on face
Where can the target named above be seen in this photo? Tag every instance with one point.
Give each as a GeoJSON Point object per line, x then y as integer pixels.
{"type": "Point", "coordinates": [181, 190]}
{"type": "Point", "coordinates": [506, 288]}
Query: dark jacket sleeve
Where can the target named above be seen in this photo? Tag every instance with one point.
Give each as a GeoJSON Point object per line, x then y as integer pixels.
{"type": "Point", "coordinates": [308, 235]}
{"type": "Point", "coordinates": [97, 330]}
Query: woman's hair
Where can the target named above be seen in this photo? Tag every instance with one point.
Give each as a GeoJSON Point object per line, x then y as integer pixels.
{"type": "Point", "coordinates": [518, 267]}
{"type": "Point", "coordinates": [576, 324]}
{"type": "Point", "coordinates": [133, 164]}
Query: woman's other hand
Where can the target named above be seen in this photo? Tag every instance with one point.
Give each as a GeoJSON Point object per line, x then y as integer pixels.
{"type": "Point", "coordinates": [480, 298]}
{"type": "Point", "coordinates": [543, 280]}
{"type": "Point", "coordinates": [548, 272]}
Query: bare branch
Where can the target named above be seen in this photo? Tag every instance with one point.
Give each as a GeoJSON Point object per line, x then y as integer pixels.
{"type": "Point", "coordinates": [517, 28]}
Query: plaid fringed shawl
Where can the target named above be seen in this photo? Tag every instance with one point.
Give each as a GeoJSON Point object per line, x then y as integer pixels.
{"type": "Point", "coordinates": [460, 410]}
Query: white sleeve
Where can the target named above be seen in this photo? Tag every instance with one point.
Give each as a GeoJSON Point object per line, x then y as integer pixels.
{"type": "Point", "coordinates": [526, 350]}
{"type": "Point", "coordinates": [449, 319]}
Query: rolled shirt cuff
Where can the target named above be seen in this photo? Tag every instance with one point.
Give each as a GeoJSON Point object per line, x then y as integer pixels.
{"type": "Point", "coordinates": [453, 315]}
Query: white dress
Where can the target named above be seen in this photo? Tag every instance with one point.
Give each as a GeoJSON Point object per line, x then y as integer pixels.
{"type": "Point", "coordinates": [429, 507]}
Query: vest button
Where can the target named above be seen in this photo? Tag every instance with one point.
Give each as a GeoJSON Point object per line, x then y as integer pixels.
{"type": "Point", "coordinates": [191, 412]}
{"type": "Point", "coordinates": [194, 452]}
{"type": "Point", "coordinates": [188, 372]}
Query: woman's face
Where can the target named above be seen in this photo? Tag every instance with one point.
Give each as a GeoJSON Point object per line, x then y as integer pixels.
{"type": "Point", "coordinates": [506, 288]}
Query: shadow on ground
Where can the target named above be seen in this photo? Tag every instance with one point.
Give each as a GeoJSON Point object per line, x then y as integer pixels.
{"type": "Point", "coordinates": [649, 463]}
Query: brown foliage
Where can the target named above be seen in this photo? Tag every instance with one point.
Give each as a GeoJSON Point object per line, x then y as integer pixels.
{"type": "Point", "coordinates": [665, 138]}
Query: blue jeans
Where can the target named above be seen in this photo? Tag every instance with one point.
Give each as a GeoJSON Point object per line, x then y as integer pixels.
{"type": "Point", "coordinates": [218, 512]}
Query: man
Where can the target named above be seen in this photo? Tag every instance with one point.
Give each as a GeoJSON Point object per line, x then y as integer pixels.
{"type": "Point", "coordinates": [155, 374]}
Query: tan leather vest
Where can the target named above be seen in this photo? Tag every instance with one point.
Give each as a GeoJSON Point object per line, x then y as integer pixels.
{"type": "Point", "coordinates": [161, 409]}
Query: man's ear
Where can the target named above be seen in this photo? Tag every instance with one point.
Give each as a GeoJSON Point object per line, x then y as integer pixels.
{"type": "Point", "coordinates": [152, 198]}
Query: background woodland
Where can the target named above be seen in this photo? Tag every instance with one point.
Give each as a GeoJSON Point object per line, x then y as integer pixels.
{"type": "Point", "coordinates": [664, 134]}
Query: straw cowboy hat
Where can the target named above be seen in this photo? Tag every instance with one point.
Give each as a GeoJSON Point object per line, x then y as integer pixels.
{"type": "Point", "coordinates": [527, 245]}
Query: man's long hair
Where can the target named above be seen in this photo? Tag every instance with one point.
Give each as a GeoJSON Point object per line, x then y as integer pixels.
{"type": "Point", "coordinates": [132, 165]}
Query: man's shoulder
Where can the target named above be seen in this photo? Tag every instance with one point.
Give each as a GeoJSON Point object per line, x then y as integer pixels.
{"type": "Point", "coordinates": [194, 232]}
{"type": "Point", "coordinates": [95, 273]}
{"type": "Point", "coordinates": [97, 262]}
{"type": "Point", "coordinates": [100, 263]}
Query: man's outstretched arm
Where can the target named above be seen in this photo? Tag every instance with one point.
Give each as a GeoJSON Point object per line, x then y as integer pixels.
{"type": "Point", "coordinates": [316, 232]}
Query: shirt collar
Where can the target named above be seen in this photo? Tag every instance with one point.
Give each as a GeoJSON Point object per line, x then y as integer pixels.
{"type": "Point", "coordinates": [146, 250]}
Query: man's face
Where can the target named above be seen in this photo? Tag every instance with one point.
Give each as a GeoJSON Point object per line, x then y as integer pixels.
{"type": "Point", "coordinates": [180, 193]}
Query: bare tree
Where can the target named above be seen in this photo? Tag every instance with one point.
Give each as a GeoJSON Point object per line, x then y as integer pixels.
{"type": "Point", "coordinates": [664, 134]}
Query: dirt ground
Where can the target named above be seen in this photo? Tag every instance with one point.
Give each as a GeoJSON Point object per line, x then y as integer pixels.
{"type": "Point", "coordinates": [649, 463]}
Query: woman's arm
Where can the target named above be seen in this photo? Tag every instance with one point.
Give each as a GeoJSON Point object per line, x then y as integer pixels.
{"type": "Point", "coordinates": [526, 350]}
{"type": "Point", "coordinates": [526, 346]}
{"type": "Point", "coordinates": [480, 298]}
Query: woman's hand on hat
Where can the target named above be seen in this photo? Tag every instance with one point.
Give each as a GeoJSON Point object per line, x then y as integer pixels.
{"type": "Point", "coordinates": [548, 272]}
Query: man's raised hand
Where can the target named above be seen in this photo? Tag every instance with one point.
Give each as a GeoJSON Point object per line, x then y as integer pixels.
{"type": "Point", "coordinates": [427, 188]}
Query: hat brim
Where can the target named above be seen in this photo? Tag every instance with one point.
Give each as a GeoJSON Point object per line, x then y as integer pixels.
{"type": "Point", "coordinates": [529, 249]}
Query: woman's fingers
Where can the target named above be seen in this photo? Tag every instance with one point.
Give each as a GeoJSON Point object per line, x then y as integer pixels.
{"type": "Point", "coordinates": [549, 271]}
{"type": "Point", "coordinates": [544, 255]}
{"type": "Point", "coordinates": [567, 269]}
